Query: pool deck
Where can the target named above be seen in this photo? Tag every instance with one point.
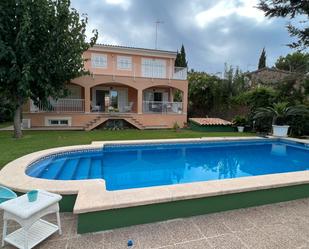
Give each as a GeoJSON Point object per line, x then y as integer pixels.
{"type": "Point", "coordinates": [277, 226]}
{"type": "Point", "coordinates": [92, 196]}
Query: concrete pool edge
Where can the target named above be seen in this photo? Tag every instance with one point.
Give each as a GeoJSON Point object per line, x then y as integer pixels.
{"type": "Point", "coordinates": [13, 174]}
{"type": "Point", "coordinates": [116, 218]}
{"type": "Point", "coordinates": [91, 197]}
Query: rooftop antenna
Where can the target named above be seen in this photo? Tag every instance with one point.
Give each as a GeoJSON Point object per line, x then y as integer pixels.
{"type": "Point", "coordinates": [157, 26]}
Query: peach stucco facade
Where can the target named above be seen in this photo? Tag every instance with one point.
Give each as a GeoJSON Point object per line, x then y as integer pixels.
{"type": "Point", "coordinates": [131, 84]}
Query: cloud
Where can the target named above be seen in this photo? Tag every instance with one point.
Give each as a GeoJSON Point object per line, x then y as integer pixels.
{"type": "Point", "coordinates": [213, 31]}
{"type": "Point", "coordinates": [224, 9]}
{"type": "Point", "coordinates": [125, 4]}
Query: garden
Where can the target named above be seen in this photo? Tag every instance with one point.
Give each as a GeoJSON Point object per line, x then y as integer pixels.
{"type": "Point", "coordinates": [256, 108]}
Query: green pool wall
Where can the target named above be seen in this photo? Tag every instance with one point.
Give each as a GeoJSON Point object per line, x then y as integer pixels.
{"type": "Point", "coordinates": [115, 218]}
{"type": "Point", "coordinates": [211, 128]}
{"type": "Point", "coordinates": [66, 204]}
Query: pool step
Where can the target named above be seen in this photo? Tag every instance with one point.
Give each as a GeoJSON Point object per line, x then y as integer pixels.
{"type": "Point", "coordinates": [72, 168]}
{"type": "Point", "coordinates": [96, 169]}
{"type": "Point", "coordinates": [68, 169]}
{"type": "Point", "coordinates": [83, 169]}
{"type": "Point", "coordinates": [37, 171]}
{"type": "Point", "coordinates": [53, 169]}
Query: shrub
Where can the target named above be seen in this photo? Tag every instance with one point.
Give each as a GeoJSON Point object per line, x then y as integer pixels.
{"type": "Point", "coordinates": [240, 120]}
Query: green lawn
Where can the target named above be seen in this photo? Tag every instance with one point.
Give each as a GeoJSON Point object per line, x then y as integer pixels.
{"type": "Point", "coordinates": [5, 124]}
{"type": "Point", "coordinates": [11, 149]}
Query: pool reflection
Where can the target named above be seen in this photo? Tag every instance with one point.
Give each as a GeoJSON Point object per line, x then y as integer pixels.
{"type": "Point", "coordinates": [163, 166]}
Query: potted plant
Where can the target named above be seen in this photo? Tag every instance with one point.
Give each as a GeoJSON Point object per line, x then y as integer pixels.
{"type": "Point", "coordinates": [240, 122]}
{"type": "Point", "coordinates": [279, 113]}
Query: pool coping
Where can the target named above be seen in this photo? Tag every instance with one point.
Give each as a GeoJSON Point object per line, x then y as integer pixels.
{"type": "Point", "coordinates": [93, 196]}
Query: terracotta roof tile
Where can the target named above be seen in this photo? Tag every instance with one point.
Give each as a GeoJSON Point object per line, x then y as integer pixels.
{"type": "Point", "coordinates": [210, 121]}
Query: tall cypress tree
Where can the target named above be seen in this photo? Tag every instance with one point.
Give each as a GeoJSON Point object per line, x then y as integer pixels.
{"type": "Point", "coordinates": [262, 60]}
{"type": "Point", "coordinates": [181, 60]}
{"type": "Point", "coordinates": [178, 59]}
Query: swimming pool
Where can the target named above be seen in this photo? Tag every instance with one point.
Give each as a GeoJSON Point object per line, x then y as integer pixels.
{"type": "Point", "coordinates": [127, 166]}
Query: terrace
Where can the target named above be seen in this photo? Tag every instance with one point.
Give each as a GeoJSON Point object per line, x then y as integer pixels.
{"type": "Point", "coordinates": [114, 98]}
{"type": "Point", "coordinates": [281, 225]}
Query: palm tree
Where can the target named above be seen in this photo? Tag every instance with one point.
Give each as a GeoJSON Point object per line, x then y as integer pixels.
{"type": "Point", "coordinates": [279, 112]}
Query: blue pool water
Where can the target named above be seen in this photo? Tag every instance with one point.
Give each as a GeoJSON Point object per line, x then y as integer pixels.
{"type": "Point", "coordinates": [134, 166]}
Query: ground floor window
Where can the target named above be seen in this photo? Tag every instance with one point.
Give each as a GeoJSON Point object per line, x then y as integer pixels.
{"type": "Point", "coordinates": [58, 121]}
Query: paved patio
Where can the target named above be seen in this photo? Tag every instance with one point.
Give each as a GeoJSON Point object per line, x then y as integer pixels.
{"type": "Point", "coordinates": [283, 225]}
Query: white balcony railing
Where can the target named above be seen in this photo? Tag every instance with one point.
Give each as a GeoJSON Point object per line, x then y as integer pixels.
{"type": "Point", "coordinates": [107, 107]}
{"type": "Point", "coordinates": [149, 71]}
{"type": "Point", "coordinates": [180, 73]}
{"type": "Point", "coordinates": [162, 107]}
{"type": "Point", "coordinates": [60, 105]}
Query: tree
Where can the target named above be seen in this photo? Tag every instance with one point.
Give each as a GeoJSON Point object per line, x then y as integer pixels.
{"type": "Point", "coordinates": [202, 91]}
{"type": "Point", "coordinates": [181, 60]}
{"type": "Point", "coordinates": [5, 110]}
{"type": "Point", "coordinates": [257, 97]}
{"type": "Point", "coordinates": [228, 79]}
{"type": "Point", "coordinates": [295, 62]}
{"type": "Point", "coordinates": [178, 59]}
{"type": "Point", "coordinates": [41, 47]}
{"type": "Point", "coordinates": [290, 9]}
{"type": "Point", "coordinates": [239, 82]}
{"type": "Point", "coordinates": [209, 93]}
{"type": "Point", "coordinates": [234, 81]}
{"type": "Point", "coordinates": [291, 90]}
{"type": "Point", "coordinates": [262, 60]}
{"type": "Point", "coordinates": [184, 62]}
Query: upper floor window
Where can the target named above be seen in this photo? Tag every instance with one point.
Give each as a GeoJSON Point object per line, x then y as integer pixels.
{"type": "Point", "coordinates": [124, 62]}
{"type": "Point", "coordinates": [154, 68]}
{"type": "Point", "coordinates": [99, 60]}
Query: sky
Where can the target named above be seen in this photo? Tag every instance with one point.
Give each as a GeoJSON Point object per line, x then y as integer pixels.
{"type": "Point", "coordinates": [213, 32]}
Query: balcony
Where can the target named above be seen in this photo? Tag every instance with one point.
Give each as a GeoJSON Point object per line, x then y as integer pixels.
{"type": "Point", "coordinates": [180, 73]}
{"type": "Point", "coordinates": [78, 106]}
{"type": "Point", "coordinates": [60, 105]}
{"type": "Point", "coordinates": [153, 71]}
{"type": "Point", "coordinates": [108, 107]}
{"type": "Point", "coordinates": [162, 107]}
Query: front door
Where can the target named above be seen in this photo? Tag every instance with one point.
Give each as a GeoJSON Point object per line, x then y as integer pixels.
{"type": "Point", "coordinates": [102, 96]}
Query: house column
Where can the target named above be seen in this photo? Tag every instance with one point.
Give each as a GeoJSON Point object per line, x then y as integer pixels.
{"type": "Point", "coordinates": [139, 101]}
{"type": "Point", "coordinates": [171, 95]}
{"type": "Point", "coordinates": [87, 99]}
{"type": "Point", "coordinates": [185, 101]}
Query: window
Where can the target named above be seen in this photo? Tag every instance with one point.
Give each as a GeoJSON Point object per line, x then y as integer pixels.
{"type": "Point", "coordinates": [124, 63]}
{"type": "Point", "coordinates": [99, 60]}
{"type": "Point", "coordinates": [159, 69]}
{"type": "Point", "coordinates": [114, 98]}
{"type": "Point", "coordinates": [64, 122]}
{"type": "Point", "coordinates": [53, 122]}
{"type": "Point", "coordinates": [147, 67]}
{"type": "Point", "coordinates": [157, 96]}
{"type": "Point", "coordinates": [154, 68]}
{"type": "Point", "coordinates": [58, 122]}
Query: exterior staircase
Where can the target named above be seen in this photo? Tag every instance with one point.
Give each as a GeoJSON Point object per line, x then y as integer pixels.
{"type": "Point", "coordinates": [102, 118]}
{"type": "Point", "coordinates": [135, 122]}
{"type": "Point", "coordinates": [95, 122]}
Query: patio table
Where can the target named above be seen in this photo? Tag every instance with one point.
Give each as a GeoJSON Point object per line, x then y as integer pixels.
{"type": "Point", "coordinates": [28, 214]}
